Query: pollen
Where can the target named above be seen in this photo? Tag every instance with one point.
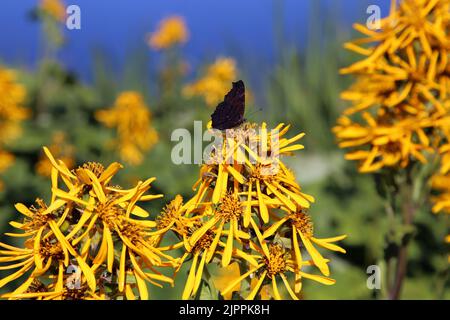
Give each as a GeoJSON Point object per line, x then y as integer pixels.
{"type": "Point", "coordinates": [276, 261]}
{"type": "Point", "coordinates": [230, 207]}
{"type": "Point", "coordinates": [303, 223]}
{"type": "Point", "coordinates": [204, 242]}
{"type": "Point", "coordinates": [169, 213]}
{"type": "Point", "coordinates": [132, 231]}
{"type": "Point", "coordinates": [38, 219]}
{"type": "Point", "coordinates": [109, 213]}
{"type": "Point", "coordinates": [75, 294]}
{"type": "Point", "coordinates": [51, 249]}
{"type": "Point", "coordinates": [95, 167]}
{"type": "Point", "coordinates": [262, 172]}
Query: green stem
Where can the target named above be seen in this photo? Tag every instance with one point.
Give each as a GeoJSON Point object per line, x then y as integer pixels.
{"type": "Point", "coordinates": [408, 209]}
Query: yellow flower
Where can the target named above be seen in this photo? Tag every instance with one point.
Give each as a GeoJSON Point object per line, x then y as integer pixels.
{"type": "Point", "coordinates": [6, 160]}
{"type": "Point", "coordinates": [380, 144]}
{"type": "Point", "coordinates": [171, 31]}
{"type": "Point", "coordinates": [12, 112]}
{"type": "Point", "coordinates": [215, 82]}
{"type": "Point", "coordinates": [60, 149]}
{"type": "Point", "coordinates": [54, 8]}
{"type": "Point", "coordinates": [273, 263]}
{"type": "Point", "coordinates": [301, 228]}
{"type": "Point", "coordinates": [91, 224]}
{"type": "Point", "coordinates": [414, 21]}
{"type": "Point", "coordinates": [402, 87]}
{"type": "Point", "coordinates": [243, 197]}
{"type": "Point", "coordinates": [441, 183]}
{"type": "Point", "coordinates": [132, 119]}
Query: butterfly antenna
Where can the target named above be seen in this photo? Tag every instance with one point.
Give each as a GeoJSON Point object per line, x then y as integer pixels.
{"type": "Point", "coordinates": [251, 114]}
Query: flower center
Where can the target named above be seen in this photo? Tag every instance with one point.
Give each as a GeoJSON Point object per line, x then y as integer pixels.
{"type": "Point", "coordinates": [276, 261]}
{"type": "Point", "coordinates": [109, 213]}
{"type": "Point", "coordinates": [169, 214]}
{"type": "Point", "coordinates": [303, 223]}
{"type": "Point", "coordinates": [38, 219]}
{"type": "Point", "coordinates": [132, 231]}
{"type": "Point", "coordinates": [263, 172]}
{"type": "Point", "coordinates": [204, 242]}
{"type": "Point", "coordinates": [95, 167]}
{"type": "Point", "coordinates": [51, 248]}
{"type": "Point", "coordinates": [74, 294]}
{"type": "Point", "coordinates": [230, 207]}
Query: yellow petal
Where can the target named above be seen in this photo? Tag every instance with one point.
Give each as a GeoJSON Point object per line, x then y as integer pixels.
{"type": "Point", "coordinates": [262, 206]}
{"type": "Point", "coordinates": [226, 258]}
{"type": "Point", "coordinates": [327, 245]}
{"type": "Point", "coordinates": [321, 279]}
{"type": "Point", "coordinates": [123, 256]}
{"type": "Point", "coordinates": [255, 290]}
{"type": "Point", "coordinates": [319, 261]}
{"type": "Point", "coordinates": [198, 276]}
{"type": "Point", "coordinates": [238, 280]}
{"type": "Point", "coordinates": [142, 287]}
{"type": "Point", "coordinates": [273, 228]}
{"type": "Point", "coordinates": [110, 247]}
{"type": "Point", "coordinates": [276, 293]}
{"type": "Point", "coordinates": [288, 287]}
{"type": "Point", "coordinates": [90, 278]}
{"type": "Point", "coordinates": [202, 230]}
{"type": "Point", "coordinates": [191, 279]}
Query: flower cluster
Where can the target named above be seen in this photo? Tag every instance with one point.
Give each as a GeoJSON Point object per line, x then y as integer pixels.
{"type": "Point", "coordinates": [400, 99]}
{"type": "Point", "coordinates": [249, 209]}
{"type": "Point", "coordinates": [12, 113]}
{"type": "Point", "coordinates": [171, 31]}
{"type": "Point", "coordinates": [91, 241]}
{"type": "Point", "coordinates": [215, 83]}
{"type": "Point", "coordinates": [131, 117]}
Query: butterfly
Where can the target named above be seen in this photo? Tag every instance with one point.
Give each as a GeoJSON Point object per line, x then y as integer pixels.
{"type": "Point", "coordinates": [230, 112]}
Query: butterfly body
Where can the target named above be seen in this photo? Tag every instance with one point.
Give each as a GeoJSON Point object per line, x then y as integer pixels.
{"type": "Point", "coordinates": [230, 112]}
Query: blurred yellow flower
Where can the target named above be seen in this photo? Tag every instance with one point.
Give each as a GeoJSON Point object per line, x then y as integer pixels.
{"type": "Point", "coordinates": [12, 113]}
{"type": "Point", "coordinates": [215, 83]}
{"type": "Point", "coordinates": [132, 119]}
{"type": "Point", "coordinates": [6, 160]}
{"type": "Point", "coordinates": [171, 31]}
{"type": "Point", "coordinates": [60, 149]}
{"type": "Point", "coordinates": [54, 8]}
{"type": "Point", "coordinates": [441, 183]}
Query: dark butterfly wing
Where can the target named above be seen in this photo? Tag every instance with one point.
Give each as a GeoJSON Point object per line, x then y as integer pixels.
{"type": "Point", "coordinates": [230, 112]}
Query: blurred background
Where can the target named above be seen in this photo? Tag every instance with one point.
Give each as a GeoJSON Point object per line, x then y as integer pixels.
{"type": "Point", "coordinates": [73, 85]}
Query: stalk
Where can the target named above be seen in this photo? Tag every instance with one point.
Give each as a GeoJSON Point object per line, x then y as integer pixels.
{"type": "Point", "coordinates": [407, 209]}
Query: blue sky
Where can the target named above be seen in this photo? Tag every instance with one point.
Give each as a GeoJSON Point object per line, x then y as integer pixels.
{"type": "Point", "coordinates": [216, 27]}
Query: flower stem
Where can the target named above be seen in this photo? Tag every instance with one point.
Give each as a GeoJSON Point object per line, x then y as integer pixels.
{"type": "Point", "coordinates": [408, 209]}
